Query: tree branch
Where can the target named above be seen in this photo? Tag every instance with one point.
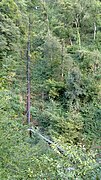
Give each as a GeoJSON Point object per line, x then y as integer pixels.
{"type": "Point", "coordinates": [62, 151]}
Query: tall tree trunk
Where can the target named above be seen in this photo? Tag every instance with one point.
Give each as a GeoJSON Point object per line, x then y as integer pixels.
{"type": "Point", "coordinates": [78, 33]}
{"type": "Point", "coordinates": [28, 75]}
{"type": "Point", "coordinates": [62, 60]}
{"type": "Point", "coordinates": [95, 31]}
{"type": "Point", "coordinates": [46, 14]}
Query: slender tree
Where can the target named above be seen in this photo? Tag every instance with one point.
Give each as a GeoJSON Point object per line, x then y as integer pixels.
{"type": "Point", "coordinates": [28, 74]}
{"type": "Point", "coordinates": [62, 60]}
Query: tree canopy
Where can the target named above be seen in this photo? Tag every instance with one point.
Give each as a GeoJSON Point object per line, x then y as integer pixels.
{"type": "Point", "coordinates": [50, 83]}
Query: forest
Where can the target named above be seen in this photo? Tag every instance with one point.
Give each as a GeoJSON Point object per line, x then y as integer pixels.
{"type": "Point", "coordinates": [50, 89]}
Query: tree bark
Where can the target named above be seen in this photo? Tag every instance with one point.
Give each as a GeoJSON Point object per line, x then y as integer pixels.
{"type": "Point", "coordinates": [62, 61]}
{"type": "Point", "coordinates": [95, 31]}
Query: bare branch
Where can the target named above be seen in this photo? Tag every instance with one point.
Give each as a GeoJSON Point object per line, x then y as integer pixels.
{"type": "Point", "coordinates": [62, 151]}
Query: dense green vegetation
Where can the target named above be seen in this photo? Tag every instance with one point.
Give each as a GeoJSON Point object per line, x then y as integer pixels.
{"type": "Point", "coordinates": [65, 74]}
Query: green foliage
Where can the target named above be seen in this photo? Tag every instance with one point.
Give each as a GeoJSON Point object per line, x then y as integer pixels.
{"type": "Point", "coordinates": [20, 158]}
{"type": "Point", "coordinates": [65, 71]}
